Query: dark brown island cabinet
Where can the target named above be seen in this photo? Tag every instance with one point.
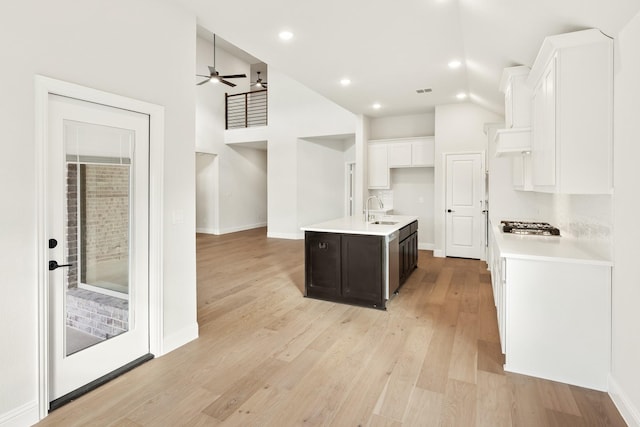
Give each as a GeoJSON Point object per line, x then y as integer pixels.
{"type": "Point", "coordinates": [354, 268]}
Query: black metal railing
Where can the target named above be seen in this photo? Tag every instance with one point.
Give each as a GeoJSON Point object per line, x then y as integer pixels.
{"type": "Point", "coordinates": [243, 110]}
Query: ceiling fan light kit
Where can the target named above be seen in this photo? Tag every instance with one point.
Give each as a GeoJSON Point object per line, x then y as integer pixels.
{"type": "Point", "coordinates": [259, 83]}
{"type": "Point", "coordinates": [214, 76]}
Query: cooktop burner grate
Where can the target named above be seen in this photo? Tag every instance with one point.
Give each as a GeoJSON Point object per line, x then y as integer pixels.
{"type": "Point", "coordinates": [535, 228]}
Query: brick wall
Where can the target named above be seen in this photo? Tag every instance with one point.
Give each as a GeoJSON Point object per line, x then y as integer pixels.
{"type": "Point", "coordinates": [105, 210]}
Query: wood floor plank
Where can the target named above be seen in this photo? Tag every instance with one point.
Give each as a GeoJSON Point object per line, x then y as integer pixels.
{"type": "Point", "coordinates": [493, 398]}
{"type": "Point", "coordinates": [463, 365]}
{"type": "Point", "coordinates": [527, 409]}
{"type": "Point", "coordinates": [425, 408]}
{"type": "Point", "coordinates": [459, 406]}
{"type": "Point", "coordinates": [490, 357]}
{"type": "Point", "coordinates": [558, 397]}
{"type": "Point", "coordinates": [242, 390]}
{"type": "Point", "coordinates": [267, 356]}
{"type": "Point", "coordinates": [435, 368]}
{"type": "Point", "coordinates": [405, 373]}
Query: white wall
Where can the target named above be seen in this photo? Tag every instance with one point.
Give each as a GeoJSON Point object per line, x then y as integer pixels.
{"type": "Point", "coordinates": [207, 193]}
{"type": "Point", "coordinates": [321, 180]}
{"type": "Point", "coordinates": [403, 126]}
{"type": "Point", "coordinates": [241, 202]}
{"type": "Point", "coordinates": [294, 112]}
{"type": "Point", "coordinates": [413, 194]}
{"type": "Point", "coordinates": [458, 128]}
{"type": "Point", "coordinates": [143, 50]}
{"type": "Point", "coordinates": [626, 280]}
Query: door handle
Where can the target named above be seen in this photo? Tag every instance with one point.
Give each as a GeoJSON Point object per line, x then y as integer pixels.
{"type": "Point", "coordinates": [449, 211]}
{"type": "Point", "coordinates": [54, 264]}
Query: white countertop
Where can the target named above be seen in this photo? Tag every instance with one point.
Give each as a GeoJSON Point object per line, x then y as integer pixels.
{"type": "Point", "coordinates": [551, 248]}
{"type": "Point", "coordinates": [357, 225]}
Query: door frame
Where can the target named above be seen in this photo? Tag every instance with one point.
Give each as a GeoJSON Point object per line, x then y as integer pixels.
{"type": "Point", "coordinates": [483, 160]}
{"type": "Point", "coordinates": [43, 87]}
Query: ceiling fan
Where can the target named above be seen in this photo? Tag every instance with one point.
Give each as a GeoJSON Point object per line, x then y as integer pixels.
{"type": "Point", "coordinates": [259, 83]}
{"type": "Point", "coordinates": [214, 76]}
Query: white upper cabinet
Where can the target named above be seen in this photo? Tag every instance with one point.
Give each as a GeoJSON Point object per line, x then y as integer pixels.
{"type": "Point", "coordinates": [517, 97]}
{"type": "Point", "coordinates": [378, 169]}
{"type": "Point", "coordinates": [397, 153]}
{"type": "Point", "coordinates": [572, 103]}
{"type": "Point", "coordinates": [516, 137]}
{"type": "Point", "coordinates": [423, 151]}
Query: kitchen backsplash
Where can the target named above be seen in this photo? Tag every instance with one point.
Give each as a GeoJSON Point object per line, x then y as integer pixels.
{"type": "Point", "coordinates": [386, 196]}
{"type": "Point", "coordinates": [588, 217]}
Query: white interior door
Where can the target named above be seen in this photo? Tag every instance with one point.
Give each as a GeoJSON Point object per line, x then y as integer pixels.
{"type": "Point", "coordinates": [464, 204]}
{"type": "Point", "coordinates": [97, 207]}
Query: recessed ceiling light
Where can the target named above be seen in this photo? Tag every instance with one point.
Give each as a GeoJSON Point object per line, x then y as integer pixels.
{"type": "Point", "coordinates": [285, 35]}
{"type": "Point", "coordinates": [461, 95]}
{"type": "Point", "coordinates": [345, 82]}
{"type": "Point", "coordinates": [455, 64]}
{"type": "Point", "coordinates": [376, 106]}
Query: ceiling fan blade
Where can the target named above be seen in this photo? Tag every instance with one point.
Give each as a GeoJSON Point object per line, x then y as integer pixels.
{"type": "Point", "coordinates": [202, 75]}
{"type": "Point", "coordinates": [203, 82]}
{"type": "Point", "coordinates": [234, 76]}
{"type": "Point", "coordinates": [227, 83]}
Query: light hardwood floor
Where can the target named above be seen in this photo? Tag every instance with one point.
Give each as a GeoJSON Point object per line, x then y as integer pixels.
{"type": "Point", "coordinates": [266, 356]}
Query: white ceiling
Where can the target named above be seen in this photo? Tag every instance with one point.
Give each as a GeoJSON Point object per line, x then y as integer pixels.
{"type": "Point", "coordinates": [391, 48]}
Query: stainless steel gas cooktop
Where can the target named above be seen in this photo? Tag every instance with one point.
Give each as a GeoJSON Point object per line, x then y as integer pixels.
{"type": "Point", "coordinates": [534, 228]}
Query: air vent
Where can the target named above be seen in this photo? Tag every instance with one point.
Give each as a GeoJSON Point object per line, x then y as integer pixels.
{"type": "Point", "coordinates": [423, 90]}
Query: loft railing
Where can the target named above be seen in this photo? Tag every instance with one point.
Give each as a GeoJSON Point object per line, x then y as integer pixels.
{"type": "Point", "coordinates": [243, 110]}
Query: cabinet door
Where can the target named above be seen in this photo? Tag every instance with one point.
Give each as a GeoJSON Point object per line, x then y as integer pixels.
{"type": "Point", "coordinates": [399, 154]}
{"type": "Point", "coordinates": [508, 107]}
{"type": "Point", "coordinates": [404, 259]}
{"type": "Point", "coordinates": [422, 152]}
{"type": "Point", "coordinates": [543, 148]}
{"type": "Point", "coordinates": [362, 269]}
{"type": "Point", "coordinates": [378, 166]}
{"type": "Point", "coordinates": [322, 264]}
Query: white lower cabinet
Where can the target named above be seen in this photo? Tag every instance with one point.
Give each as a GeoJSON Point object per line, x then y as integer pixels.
{"type": "Point", "coordinates": [555, 320]}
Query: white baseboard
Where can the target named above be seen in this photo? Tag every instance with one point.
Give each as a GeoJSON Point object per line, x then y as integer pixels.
{"type": "Point", "coordinates": [290, 236]}
{"type": "Point", "coordinates": [439, 253]}
{"type": "Point", "coordinates": [206, 230]}
{"type": "Point", "coordinates": [426, 246]}
{"type": "Point", "coordinates": [629, 412]}
{"type": "Point", "coordinates": [178, 339]}
{"type": "Point", "coordinates": [25, 415]}
{"type": "Point", "coordinates": [241, 228]}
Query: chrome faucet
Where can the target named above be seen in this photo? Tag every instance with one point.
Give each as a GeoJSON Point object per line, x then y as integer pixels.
{"type": "Point", "coordinates": [367, 216]}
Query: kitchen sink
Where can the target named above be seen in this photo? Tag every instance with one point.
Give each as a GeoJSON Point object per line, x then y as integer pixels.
{"type": "Point", "coordinates": [385, 222]}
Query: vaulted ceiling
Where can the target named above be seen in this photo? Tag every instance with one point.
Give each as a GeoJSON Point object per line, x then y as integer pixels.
{"type": "Point", "coordinates": [390, 49]}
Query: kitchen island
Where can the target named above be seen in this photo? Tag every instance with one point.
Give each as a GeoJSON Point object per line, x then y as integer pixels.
{"type": "Point", "coordinates": [360, 262]}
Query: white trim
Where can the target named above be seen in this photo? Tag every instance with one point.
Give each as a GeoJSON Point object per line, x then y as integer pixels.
{"type": "Point", "coordinates": [629, 412]}
{"type": "Point", "coordinates": [103, 291]}
{"type": "Point", "coordinates": [426, 246]}
{"type": "Point", "coordinates": [290, 236]}
{"type": "Point", "coordinates": [24, 415]}
{"type": "Point", "coordinates": [438, 253]}
{"type": "Point", "coordinates": [207, 230]}
{"type": "Point", "coordinates": [178, 339]}
{"type": "Point", "coordinates": [241, 228]}
{"type": "Point", "coordinates": [43, 87]}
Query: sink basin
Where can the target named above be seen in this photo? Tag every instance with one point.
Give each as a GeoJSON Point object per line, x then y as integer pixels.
{"type": "Point", "coordinates": [384, 222]}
